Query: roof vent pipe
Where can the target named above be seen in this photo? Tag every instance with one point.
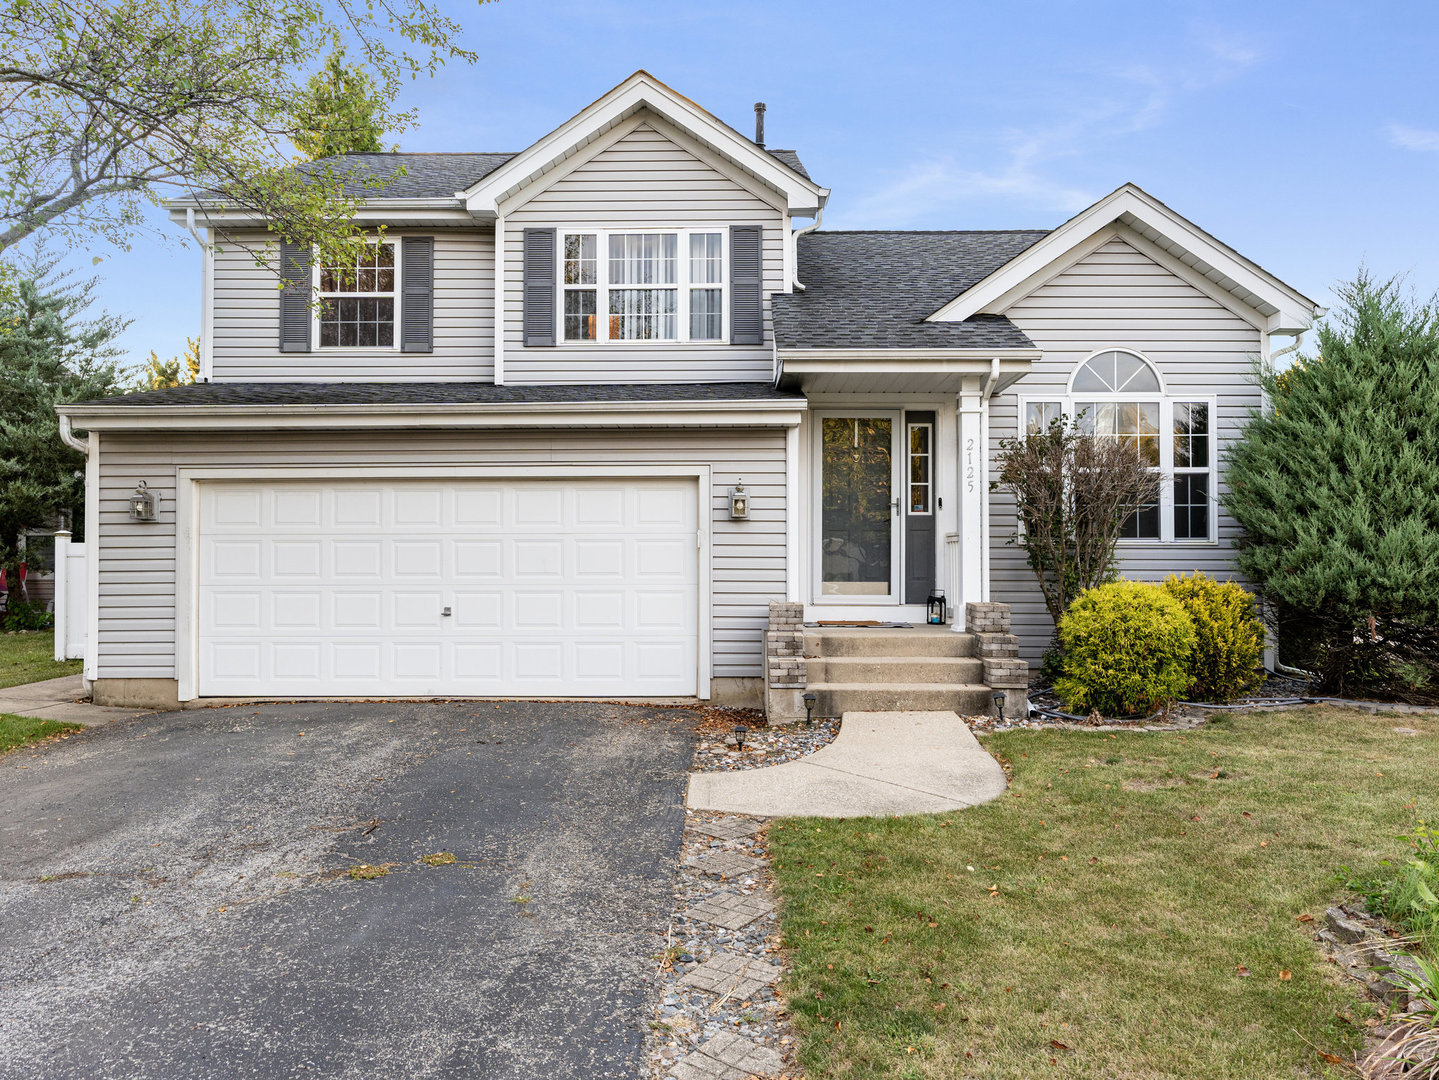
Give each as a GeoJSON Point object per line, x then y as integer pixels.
{"type": "Point", "coordinates": [759, 124]}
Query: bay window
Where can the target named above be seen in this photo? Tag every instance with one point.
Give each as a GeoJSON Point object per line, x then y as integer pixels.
{"type": "Point", "coordinates": [649, 286]}
{"type": "Point", "coordinates": [1116, 394]}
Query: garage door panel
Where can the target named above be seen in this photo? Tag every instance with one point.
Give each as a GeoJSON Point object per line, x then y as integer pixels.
{"type": "Point", "coordinates": [555, 588]}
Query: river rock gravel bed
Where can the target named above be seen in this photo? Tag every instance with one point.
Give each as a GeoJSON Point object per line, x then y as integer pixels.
{"type": "Point", "coordinates": [717, 751]}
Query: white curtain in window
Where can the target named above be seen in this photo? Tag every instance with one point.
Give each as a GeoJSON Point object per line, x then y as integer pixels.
{"type": "Point", "coordinates": [644, 258]}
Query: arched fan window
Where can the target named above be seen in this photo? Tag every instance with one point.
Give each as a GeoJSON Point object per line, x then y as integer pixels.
{"type": "Point", "coordinates": [1118, 394]}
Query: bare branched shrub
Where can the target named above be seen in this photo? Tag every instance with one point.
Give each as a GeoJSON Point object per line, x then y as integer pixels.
{"type": "Point", "coordinates": [1073, 492]}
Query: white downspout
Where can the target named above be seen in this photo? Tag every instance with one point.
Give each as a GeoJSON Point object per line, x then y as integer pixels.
{"type": "Point", "coordinates": [67, 436]}
{"type": "Point", "coordinates": [794, 241]}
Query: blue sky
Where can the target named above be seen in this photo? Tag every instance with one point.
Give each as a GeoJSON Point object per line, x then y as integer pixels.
{"type": "Point", "coordinates": [1304, 135]}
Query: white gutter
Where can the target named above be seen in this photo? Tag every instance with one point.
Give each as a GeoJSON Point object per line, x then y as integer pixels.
{"type": "Point", "coordinates": [794, 240]}
{"type": "Point", "coordinates": [68, 438]}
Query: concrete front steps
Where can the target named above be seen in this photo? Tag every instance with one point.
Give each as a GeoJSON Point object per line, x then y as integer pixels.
{"type": "Point", "coordinates": [886, 669]}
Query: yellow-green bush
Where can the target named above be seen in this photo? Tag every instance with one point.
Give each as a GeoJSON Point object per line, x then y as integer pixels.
{"type": "Point", "coordinates": [1228, 637]}
{"type": "Point", "coordinates": [1126, 649]}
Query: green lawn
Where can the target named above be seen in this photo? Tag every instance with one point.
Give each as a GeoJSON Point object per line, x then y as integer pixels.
{"type": "Point", "coordinates": [19, 730]}
{"type": "Point", "coordinates": [29, 657]}
{"type": "Point", "coordinates": [1135, 898]}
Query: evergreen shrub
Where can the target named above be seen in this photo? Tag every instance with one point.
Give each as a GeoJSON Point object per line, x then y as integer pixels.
{"type": "Point", "coordinates": [1127, 647]}
{"type": "Point", "coordinates": [1228, 637]}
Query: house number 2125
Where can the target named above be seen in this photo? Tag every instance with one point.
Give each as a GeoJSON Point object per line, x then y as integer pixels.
{"type": "Point", "coordinates": [969, 465]}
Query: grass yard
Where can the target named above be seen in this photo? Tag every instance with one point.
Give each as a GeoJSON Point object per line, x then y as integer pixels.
{"type": "Point", "coordinates": [30, 657]}
{"type": "Point", "coordinates": [19, 730]}
{"type": "Point", "coordinates": [1130, 908]}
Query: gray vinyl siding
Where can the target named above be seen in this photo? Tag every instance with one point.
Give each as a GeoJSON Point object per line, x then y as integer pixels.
{"type": "Point", "coordinates": [137, 561]}
{"type": "Point", "coordinates": [247, 312]}
{"type": "Point", "coordinates": [1117, 297]}
{"type": "Point", "coordinates": [644, 181]}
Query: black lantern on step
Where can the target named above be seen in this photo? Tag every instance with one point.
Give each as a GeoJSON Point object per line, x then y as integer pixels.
{"type": "Point", "coordinates": [934, 608]}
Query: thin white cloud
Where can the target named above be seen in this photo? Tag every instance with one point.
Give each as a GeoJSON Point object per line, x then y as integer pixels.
{"type": "Point", "coordinates": [1027, 166]}
{"type": "Point", "coordinates": [1412, 138]}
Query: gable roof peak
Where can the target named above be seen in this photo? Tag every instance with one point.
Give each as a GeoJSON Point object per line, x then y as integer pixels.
{"type": "Point", "coordinates": [1214, 266]}
{"type": "Point", "coordinates": [642, 91]}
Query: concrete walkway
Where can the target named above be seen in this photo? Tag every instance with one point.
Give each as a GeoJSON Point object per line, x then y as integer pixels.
{"type": "Point", "coordinates": [881, 763]}
{"type": "Point", "coordinates": [59, 699]}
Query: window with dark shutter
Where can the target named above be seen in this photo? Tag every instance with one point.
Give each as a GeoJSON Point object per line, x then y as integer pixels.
{"type": "Point", "coordinates": [539, 287]}
{"type": "Point", "coordinates": [295, 311]}
{"type": "Point", "coordinates": [417, 304]}
{"type": "Point", "coordinates": [746, 311]}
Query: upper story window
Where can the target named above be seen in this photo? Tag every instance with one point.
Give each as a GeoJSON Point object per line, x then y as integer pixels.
{"type": "Point", "coordinates": [643, 286]}
{"type": "Point", "coordinates": [357, 299]}
{"type": "Point", "coordinates": [1118, 394]}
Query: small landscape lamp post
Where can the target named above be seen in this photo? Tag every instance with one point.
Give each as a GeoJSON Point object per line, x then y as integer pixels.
{"type": "Point", "coordinates": [809, 700]}
{"type": "Point", "coordinates": [740, 732]}
{"type": "Point", "coordinates": [999, 704]}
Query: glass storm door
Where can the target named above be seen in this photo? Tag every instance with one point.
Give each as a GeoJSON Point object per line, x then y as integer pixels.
{"type": "Point", "coordinates": [859, 507]}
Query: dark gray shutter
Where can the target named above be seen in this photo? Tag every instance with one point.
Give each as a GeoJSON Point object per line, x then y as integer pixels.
{"type": "Point", "coordinates": [746, 311]}
{"type": "Point", "coordinates": [417, 303]}
{"type": "Point", "coordinates": [539, 287]}
{"type": "Point", "coordinates": [295, 310]}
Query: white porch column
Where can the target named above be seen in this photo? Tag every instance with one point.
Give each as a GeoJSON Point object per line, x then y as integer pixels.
{"type": "Point", "coordinates": [971, 498]}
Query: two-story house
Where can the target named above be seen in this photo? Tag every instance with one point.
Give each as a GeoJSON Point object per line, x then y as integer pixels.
{"type": "Point", "coordinates": [586, 410]}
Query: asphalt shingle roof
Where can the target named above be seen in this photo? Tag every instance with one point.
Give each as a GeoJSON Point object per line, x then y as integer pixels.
{"type": "Point", "coordinates": [875, 289]}
{"type": "Point", "coordinates": [435, 176]}
{"type": "Point", "coordinates": [443, 393]}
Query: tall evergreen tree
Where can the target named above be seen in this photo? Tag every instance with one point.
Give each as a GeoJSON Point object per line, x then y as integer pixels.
{"type": "Point", "coordinates": [1336, 487]}
{"type": "Point", "coordinates": [340, 111]}
{"type": "Point", "coordinates": [52, 351]}
{"type": "Point", "coordinates": [179, 370]}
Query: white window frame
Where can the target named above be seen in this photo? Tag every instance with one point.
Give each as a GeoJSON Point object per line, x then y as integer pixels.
{"type": "Point", "coordinates": [1167, 400]}
{"type": "Point", "coordinates": [394, 244]}
{"type": "Point", "coordinates": [682, 285]}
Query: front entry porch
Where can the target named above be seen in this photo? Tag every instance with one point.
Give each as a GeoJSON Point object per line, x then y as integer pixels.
{"type": "Point", "coordinates": [892, 508]}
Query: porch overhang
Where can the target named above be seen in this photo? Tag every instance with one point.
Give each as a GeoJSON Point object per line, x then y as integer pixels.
{"type": "Point", "coordinates": [897, 371]}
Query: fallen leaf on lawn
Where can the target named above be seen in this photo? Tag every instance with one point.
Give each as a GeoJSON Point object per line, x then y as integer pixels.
{"type": "Point", "coordinates": [869, 929]}
{"type": "Point", "coordinates": [1093, 861]}
{"type": "Point", "coordinates": [939, 1006]}
{"type": "Point", "coordinates": [1333, 1059]}
{"type": "Point", "coordinates": [1305, 918]}
{"type": "Point", "coordinates": [1248, 814]}
{"type": "Point", "coordinates": [1241, 971]}
{"type": "Point", "coordinates": [1285, 976]}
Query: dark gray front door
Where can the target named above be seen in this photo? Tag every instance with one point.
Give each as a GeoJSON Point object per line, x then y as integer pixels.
{"type": "Point", "coordinates": [919, 496]}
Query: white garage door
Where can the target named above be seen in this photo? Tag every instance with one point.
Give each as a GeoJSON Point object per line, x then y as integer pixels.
{"type": "Point", "coordinates": [463, 587]}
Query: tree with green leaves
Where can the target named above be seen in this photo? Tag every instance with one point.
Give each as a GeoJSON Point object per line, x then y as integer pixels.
{"type": "Point", "coordinates": [179, 370]}
{"type": "Point", "coordinates": [52, 351]}
{"type": "Point", "coordinates": [107, 105]}
{"type": "Point", "coordinates": [1336, 488]}
{"type": "Point", "coordinates": [341, 112]}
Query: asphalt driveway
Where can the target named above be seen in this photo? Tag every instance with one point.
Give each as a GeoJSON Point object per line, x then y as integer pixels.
{"type": "Point", "coordinates": [175, 902]}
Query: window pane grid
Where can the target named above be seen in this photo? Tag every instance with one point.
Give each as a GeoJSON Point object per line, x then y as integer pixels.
{"type": "Point", "coordinates": [357, 300]}
{"type": "Point", "coordinates": [706, 314]}
{"type": "Point", "coordinates": [643, 315]}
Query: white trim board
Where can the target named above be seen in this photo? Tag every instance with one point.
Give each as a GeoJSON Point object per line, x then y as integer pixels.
{"type": "Point", "coordinates": [1284, 308]}
{"type": "Point", "coordinates": [640, 91]}
{"type": "Point", "coordinates": [187, 525]}
{"type": "Point", "coordinates": [346, 417]}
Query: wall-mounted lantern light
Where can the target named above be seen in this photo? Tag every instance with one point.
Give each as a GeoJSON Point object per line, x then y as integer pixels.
{"type": "Point", "coordinates": [142, 503]}
{"type": "Point", "coordinates": [738, 502]}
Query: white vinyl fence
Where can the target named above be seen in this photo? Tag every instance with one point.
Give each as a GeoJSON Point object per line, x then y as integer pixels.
{"type": "Point", "coordinates": [69, 598]}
